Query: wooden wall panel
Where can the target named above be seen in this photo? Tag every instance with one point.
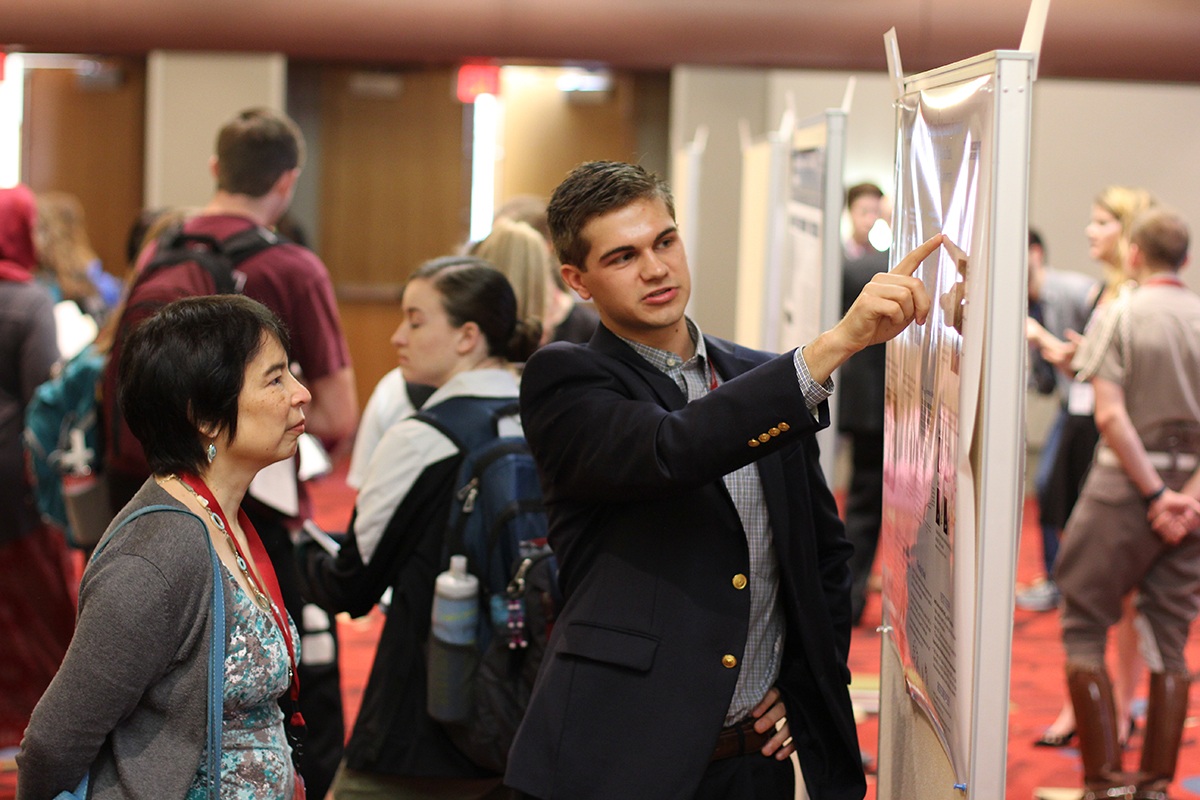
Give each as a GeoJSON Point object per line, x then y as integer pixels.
{"type": "Point", "coordinates": [88, 138]}
{"type": "Point", "coordinates": [369, 326]}
{"type": "Point", "coordinates": [394, 192]}
{"type": "Point", "coordinates": [546, 134]}
{"type": "Point", "coordinates": [394, 178]}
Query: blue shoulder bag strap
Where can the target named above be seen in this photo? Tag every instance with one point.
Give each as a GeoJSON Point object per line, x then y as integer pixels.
{"type": "Point", "coordinates": [216, 649]}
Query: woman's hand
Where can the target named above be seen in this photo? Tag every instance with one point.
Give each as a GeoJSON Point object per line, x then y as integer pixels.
{"type": "Point", "coordinates": [1058, 352]}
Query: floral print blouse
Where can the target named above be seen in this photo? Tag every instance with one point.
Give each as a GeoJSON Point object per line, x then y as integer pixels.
{"type": "Point", "coordinates": [256, 759]}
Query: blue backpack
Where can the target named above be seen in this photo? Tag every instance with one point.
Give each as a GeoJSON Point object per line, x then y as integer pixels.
{"type": "Point", "coordinates": [498, 520]}
{"type": "Point", "coordinates": [62, 440]}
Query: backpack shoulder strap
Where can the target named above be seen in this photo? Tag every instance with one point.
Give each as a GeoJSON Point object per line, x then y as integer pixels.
{"type": "Point", "coordinates": [250, 242]}
{"type": "Point", "coordinates": [418, 393]}
{"type": "Point", "coordinates": [141, 512]}
{"type": "Point", "coordinates": [469, 422]}
{"type": "Point", "coordinates": [218, 257]}
{"type": "Point", "coordinates": [216, 644]}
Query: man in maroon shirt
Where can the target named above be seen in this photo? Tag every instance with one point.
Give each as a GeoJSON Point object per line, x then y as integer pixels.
{"type": "Point", "coordinates": [259, 154]}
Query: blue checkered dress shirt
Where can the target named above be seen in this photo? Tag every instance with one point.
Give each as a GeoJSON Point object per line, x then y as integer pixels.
{"type": "Point", "coordinates": [764, 642]}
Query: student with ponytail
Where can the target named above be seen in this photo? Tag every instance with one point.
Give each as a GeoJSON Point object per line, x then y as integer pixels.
{"type": "Point", "coordinates": [459, 333]}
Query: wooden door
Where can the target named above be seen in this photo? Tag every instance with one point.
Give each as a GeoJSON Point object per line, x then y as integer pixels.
{"type": "Point", "coordinates": [86, 136]}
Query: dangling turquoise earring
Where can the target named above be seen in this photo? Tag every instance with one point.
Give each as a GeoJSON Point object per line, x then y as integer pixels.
{"type": "Point", "coordinates": [211, 451]}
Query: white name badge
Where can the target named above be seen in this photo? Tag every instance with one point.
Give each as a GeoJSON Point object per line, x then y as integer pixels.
{"type": "Point", "coordinates": [1081, 399]}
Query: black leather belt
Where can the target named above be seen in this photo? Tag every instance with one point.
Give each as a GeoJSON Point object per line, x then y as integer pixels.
{"type": "Point", "coordinates": [740, 740]}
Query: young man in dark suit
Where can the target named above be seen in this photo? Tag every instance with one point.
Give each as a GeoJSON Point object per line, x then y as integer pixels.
{"type": "Point", "coordinates": [706, 621]}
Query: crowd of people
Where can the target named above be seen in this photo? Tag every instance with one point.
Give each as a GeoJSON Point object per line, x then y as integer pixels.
{"type": "Point", "coordinates": [708, 584]}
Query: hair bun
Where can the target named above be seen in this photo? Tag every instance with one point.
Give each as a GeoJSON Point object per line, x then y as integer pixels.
{"type": "Point", "coordinates": [526, 336]}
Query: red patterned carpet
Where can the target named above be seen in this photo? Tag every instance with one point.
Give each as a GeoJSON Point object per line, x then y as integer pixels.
{"type": "Point", "coordinates": [1036, 691]}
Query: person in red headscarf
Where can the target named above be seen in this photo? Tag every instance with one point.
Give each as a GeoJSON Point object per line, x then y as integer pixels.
{"type": "Point", "coordinates": [37, 591]}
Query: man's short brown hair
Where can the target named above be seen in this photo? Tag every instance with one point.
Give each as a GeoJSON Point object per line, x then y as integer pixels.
{"type": "Point", "coordinates": [590, 190]}
{"type": "Point", "coordinates": [254, 149]}
{"type": "Point", "coordinates": [1162, 236]}
{"type": "Point", "coordinates": [862, 190]}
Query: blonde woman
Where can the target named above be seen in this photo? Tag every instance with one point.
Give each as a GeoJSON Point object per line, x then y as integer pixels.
{"type": "Point", "coordinates": [70, 267]}
{"type": "Point", "coordinates": [522, 255]}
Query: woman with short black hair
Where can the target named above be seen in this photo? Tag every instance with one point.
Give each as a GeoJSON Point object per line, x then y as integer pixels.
{"type": "Point", "coordinates": [205, 385]}
{"type": "Point", "coordinates": [460, 333]}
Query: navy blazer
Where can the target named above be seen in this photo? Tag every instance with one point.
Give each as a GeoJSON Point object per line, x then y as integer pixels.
{"type": "Point", "coordinates": [636, 683]}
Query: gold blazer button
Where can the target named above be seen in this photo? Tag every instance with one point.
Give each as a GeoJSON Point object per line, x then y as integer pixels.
{"type": "Point", "coordinates": [728, 661]}
{"type": "Point", "coordinates": [784, 427]}
{"type": "Point", "coordinates": [774, 431]}
{"type": "Point", "coordinates": [739, 581]}
{"type": "Point", "coordinates": [753, 442]}
{"type": "Point", "coordinates": [764, 437]}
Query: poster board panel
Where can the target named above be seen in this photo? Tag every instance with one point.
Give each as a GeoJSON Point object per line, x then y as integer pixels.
{"type": "Point", "coordinates": [954, 404]}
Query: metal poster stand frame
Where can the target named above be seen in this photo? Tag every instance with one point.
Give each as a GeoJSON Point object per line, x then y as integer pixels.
{"type": "Point", "coordinates": [919, 757]}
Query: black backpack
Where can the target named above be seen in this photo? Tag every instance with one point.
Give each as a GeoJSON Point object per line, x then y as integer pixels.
{"type": "Point", "coordinates": [220, 259]}
{"type": "Point", "coordinates": [498, 520]}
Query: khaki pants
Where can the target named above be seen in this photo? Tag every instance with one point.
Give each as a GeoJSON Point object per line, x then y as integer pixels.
{"type": "Point", "coordinates": [1108, 550]}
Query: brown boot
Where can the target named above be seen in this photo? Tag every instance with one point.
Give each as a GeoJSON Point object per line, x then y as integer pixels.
{"type": "Point", "coordinates": [1096, 723]}
{"type": "Point", "coordinates": [1165, 716]}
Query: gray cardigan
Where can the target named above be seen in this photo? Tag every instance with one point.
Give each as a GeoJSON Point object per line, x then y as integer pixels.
{"type": "Point", "coordinates": [130, 700]}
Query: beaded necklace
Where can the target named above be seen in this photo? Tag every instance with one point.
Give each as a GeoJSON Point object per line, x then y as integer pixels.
{"type": "Point", "coordinates": [260, 598]}
{"type": "Point", "coordinates": [269, 600]}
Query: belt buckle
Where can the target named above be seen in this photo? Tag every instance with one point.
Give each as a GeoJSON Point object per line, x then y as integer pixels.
{"type": "Point", "coordinates": [1173, 452]}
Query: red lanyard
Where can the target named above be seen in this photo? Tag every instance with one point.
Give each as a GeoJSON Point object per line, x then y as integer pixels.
{"type": "Point", "coordinates": [712, 375]}
{"type": "Point", "coordinates": [263, 562]}
{"type": "Point", "coordinates": [1163, 280]}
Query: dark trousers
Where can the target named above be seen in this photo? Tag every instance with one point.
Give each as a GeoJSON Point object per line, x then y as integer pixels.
{"type": "Point", "coordinates": [320, 750]}
{"type": "Point", "coordinates": [749, 777]}
{"type": "Point", "coordinates": [864, 512]}
{"type": "Point", "coordinates": [1041, 485]}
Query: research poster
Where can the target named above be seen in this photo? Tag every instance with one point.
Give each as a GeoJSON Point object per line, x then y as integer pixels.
{"type": "Point", "coordinates": [934, 370]}
{"type": "Point", "coordinates": [801, 292]}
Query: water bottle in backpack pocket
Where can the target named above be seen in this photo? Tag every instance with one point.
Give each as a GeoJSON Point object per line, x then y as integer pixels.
{"type": "Point", "coordinates": [453, 652]}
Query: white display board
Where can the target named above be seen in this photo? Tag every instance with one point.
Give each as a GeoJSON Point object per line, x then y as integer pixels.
{"type": "Point", "coordinates": [954, 422]}
{"type": "Point", "coordinates": [808, 292]}
{"type": "Point", "coordinates": [685, 183]}
{"type": "Point", "coordinates": [789, 251]}
{"type": "Point", "coordinates": [761, 234]}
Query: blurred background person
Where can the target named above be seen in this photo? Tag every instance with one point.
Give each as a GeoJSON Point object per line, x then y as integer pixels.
{"type": "Point", "coordinates": [521, 254]}
{"type": "Point", "coordinates": [1059, 301]}
{"type": "Point", "coordinates": [860, 397]}
{"type": "Point", "coordinates": [459, 333]}
{"type": "Point", "coordinates": [69, 264]}
{"type": "Point", "coordinates": [1112, 213]}
{"type": "Point", "coordinates": [37, 595]}
{"type": "Point", "coordinates": [567, 318]}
